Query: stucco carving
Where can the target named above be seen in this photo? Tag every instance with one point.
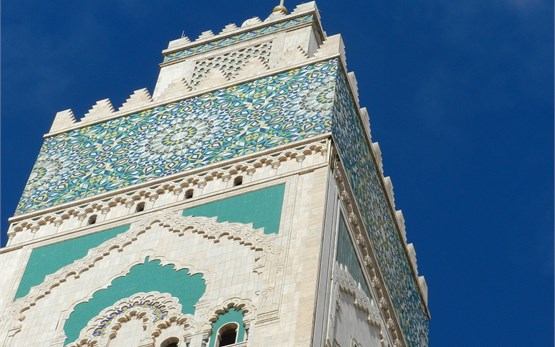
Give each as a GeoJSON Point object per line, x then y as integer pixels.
{"type": "Point", "coordinates": [209, 316]}
{"type": "Point", "coordinates": [208, 228]}
{"type": "Point", "coordinates": [176, 186]}
{"type": "Point", "coordinates": [347, 284]}
{"type": "Point", "coordinates": [155, 310]}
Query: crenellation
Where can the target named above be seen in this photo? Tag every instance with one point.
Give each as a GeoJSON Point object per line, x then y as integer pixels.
{"type": "Point", "coordinates": [389, 191]}
{"type": "Point", "coordinates": [304, 7]}
{"type": "Point", "coordinates": [401, 223]}
{"type": "Point", "coordinates": [251, 22]}
{"type": "Point", "coordinates": [229, 28]}
{"type": "Point", "coordinates": [331, 46]}
{"type": "Point", "coordinates": [365, 118]}
{"type": "Point", "coordinates": [140, 98]}
{"type": "Point", "coordinates": [376, 150]}
{"type": "Point", "coordinates": [183, 40]}
{"type": "Point", "coordinates": [353, 83]}
{"type": "Point", "coordinates": [423, 288]}
{"type": "Point", "coordinates": [64, 119]}
{"type": "Point", "coordinates": [412, 257]}
{"type": "Point", "coordinates": [175, 89]}
{"type": "Point", "coordinates": [205, 35]}
{"type": "Point", "coordinates": [101, 110]}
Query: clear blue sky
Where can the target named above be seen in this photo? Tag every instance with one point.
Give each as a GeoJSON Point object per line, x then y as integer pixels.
{"type": "Point", "coordinates": [460, 95]}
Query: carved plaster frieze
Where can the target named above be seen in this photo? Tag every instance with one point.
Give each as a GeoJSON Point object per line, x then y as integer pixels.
{"type": "Point", "coordinates": [209, 315]}
{"type": "Point", "coordinates": [155, 310]}
{"type": "Point", "coordinates": [347, 284]}
{"type": "Point", "coordinates": [177, 187]}
{"type": "Point", "coordinates": [209, 228]}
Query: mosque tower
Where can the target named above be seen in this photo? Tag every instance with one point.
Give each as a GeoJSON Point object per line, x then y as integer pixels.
{"type": "Point", "coordinates": [241, 203]}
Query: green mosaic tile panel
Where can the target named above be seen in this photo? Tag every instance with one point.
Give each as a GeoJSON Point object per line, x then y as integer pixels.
{"type": "Point", "coordinates": [231, 40]}
{"type": "Point", "coordinates": [346, 255]}
{"type": "Point", "coordinates": [348, 134]}
{"type": "Point", "coordinates": [47, 260]}
{"type": "Point", "coordinates": [181, 136]}
{"type": "Point", "coordinates": [261, 207]}
{"type": "Point", "coordinates": [149, 276]}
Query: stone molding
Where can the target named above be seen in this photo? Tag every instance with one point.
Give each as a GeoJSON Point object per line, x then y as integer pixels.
{"type": "Point", "coordinates": [174, 188]}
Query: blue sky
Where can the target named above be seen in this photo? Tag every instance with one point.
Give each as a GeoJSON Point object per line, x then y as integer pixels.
{"type": "Point", "coordinates": [460, 95]}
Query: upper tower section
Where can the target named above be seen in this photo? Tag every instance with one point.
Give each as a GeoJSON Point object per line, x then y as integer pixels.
{"type": "Point", "coordinates": [247, 89]}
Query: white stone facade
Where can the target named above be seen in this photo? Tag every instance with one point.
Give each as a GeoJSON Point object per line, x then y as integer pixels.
{"type": "Point", "coordinates": [289, 285]}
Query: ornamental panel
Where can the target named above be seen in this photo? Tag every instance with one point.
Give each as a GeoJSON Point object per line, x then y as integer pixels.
{"type": "Point", "coordinates": [355, 153]}
{"type": "Point", "coordinates": [181, 136]}
{"type": "Point", "coordinates": [231, 40]}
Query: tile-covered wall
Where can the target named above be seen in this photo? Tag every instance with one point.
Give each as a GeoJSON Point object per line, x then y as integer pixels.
{"type": "Point", "coordinates": [348, 134]}
{"type": "Point", "coordinates": [181, 136]}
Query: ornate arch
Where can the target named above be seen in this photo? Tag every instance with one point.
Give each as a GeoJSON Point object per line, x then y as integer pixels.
{"type": "Point", "coordinates": [155, 310]}
{"type": "Point", "coordinates": [209, 316]}
{"type": "Point", "coordinates": [208, 228]}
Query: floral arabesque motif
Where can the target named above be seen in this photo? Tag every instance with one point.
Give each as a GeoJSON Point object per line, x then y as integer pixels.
{"type": "Point", "coordinates": [181, 136]}
{"type": "Point", "coordinates": [354, 150]}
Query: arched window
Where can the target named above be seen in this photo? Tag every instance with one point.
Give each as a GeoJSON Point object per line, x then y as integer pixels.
{"type": "Point", "coordinates": [227, 335]}
{"type": "Point", "coordinates": [228, 329]}
{"type": "Point", "coordinates": [171, 342]}
{"type": "Point", "coordinates": [189, 194]}
{"type": "Point", "coordinates": [140, 207]}
{"type": "Point", "coordinates": [92, 219]}
{"type": "Point", "coordinates": [238, 181]}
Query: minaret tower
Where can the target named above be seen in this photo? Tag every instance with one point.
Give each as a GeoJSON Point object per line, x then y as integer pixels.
{"type": "Point", "coordinates": [241, 203]}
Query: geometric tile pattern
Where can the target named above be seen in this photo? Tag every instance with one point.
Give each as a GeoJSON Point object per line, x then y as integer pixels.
{"type": "Point", "coordinates": [354, 150]}
{"type": "Point", "coordinates": [181, 136]}
{"type": "Point", "coordinates": [237, 38]}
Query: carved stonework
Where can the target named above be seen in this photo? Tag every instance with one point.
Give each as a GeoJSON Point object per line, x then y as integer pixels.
{"type": "Point", "coordinates": [209, 228]}
{"type": "Point", "coordinates": [153, 309]}
{"type": "Point", "coordinates": [176, 188]}
{"type": "Point", "coordinates": [347, 284]}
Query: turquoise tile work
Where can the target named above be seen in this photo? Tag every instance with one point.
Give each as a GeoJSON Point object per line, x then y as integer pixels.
{"type": "Point", "coordinates": [346, 256]}
{"type": "Point", "coordinates": [149, 276]}
{"type": "Point", "coordinates": [48, 259]}
{"type": "Point", "coordinates": [231, 316]}
{"type": "Point", "coordinates": [348, 134]}
{"type": "Point", "coordinates": [231, 40]}
{"type": "Point", "coordinates": [261, 207]}
{"type": "Point", "coordinates": [181, 136]}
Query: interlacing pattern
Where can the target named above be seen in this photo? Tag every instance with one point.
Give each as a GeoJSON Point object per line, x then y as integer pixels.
{"type": "Point", "coordinates": [230, 63]}
{"type": "Point", "coordinates": [181, 136]}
